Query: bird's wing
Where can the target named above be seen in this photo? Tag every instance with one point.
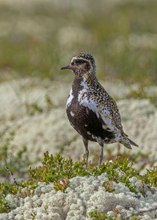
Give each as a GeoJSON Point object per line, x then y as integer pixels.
{"type": "Point", "coordinates": [110, 115]}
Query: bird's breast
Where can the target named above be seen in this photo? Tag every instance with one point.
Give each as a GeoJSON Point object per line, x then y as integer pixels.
{"type": "Point", "coordinates": [70, 98]}
{"type": "Point", "coordinates": [83, 116]}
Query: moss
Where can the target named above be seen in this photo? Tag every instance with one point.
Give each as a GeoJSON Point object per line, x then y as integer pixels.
{"type": "Point", "coordinates": [135, 218]}
{"type": "Point", "coordinates": [6, 188]}
{"type": "Point", "coordinates": [108, 185]}
{"type": "Point", "coordinates": [150, 177]}
{"type": "Point", "coordinates": [4, 207]}
{"type": "Point", "coordinates": [96, 215]}
{"type": "Point", "coordinates": [61, 185]}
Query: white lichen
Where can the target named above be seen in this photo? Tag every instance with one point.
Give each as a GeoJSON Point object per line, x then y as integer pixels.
{"type": "Point", "coordinates": [83, 195]}
{"type": "Point", "coordinates": [50, 129]}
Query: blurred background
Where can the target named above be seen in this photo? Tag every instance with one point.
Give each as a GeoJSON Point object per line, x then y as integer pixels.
{"type": "Point", "coordinates": [38, 37]}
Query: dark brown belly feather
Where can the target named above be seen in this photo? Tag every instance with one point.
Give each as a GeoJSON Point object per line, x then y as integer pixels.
{"type": "Point", "coordinates": [87, 124]}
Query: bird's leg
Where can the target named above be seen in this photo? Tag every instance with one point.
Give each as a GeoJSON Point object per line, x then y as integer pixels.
{"type": "Point", "coordinates": [85, 141]}
{"type": "Point", "coordinates": [101, 154]}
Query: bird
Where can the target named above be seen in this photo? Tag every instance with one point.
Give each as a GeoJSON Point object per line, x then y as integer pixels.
{"type": "Point", "coordinates": [91, 111]}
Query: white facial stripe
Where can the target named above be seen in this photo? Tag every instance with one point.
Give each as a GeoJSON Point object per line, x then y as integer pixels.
{"type": "Point", "coordinates": [77, 58]}
{"type": "Point", "coordinates": [74, 58]}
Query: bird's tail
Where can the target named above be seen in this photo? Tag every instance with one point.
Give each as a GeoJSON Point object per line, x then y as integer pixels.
{"type": "Point", "coordinates": [127, 142]}
{"type": "Point", "coordinates": [133, 143]}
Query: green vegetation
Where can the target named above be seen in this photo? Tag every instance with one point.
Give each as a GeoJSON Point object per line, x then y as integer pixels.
{"type": "Point", "coordinates": [38, 40]}
{"type": "Point", "coordinates": [95, 215]}
{"type": "Point", "coordinates": [59, 170]}
{"type": "Point", "coordinates": [12, 167]}
{"type": "Point", "coordinates": [35, 108]}
{"type": "Point", "coordinates": [150, 177]}
{"type": "Point", "coordinates": [108, 185]}
{"type": "Point", "coordinates": [15, 163]}
{"type": "Point", "coordinates": [56, 168]}
{"type": "Point", "coordinates": [6, 188]}
{"type": "Point", "coordinates": [141, 93]}
{"type": "Point", "coordinates": [61, 184]}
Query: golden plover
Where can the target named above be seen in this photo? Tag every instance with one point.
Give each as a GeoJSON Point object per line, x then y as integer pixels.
{"type": "Point", "coordinates": [90, 109]}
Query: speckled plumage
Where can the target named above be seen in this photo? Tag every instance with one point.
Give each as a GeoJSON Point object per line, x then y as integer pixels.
{"type": "Point", "coordinates": [90, 109]}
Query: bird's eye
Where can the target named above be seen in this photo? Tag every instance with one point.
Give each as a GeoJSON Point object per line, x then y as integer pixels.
{"type": "Point", "coordinates": [79, 62]}
{"type": "Point", "coordinates": [72, 63]}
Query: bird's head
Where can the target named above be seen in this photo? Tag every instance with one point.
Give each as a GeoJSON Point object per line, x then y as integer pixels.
{"type": "Point", "coordinates": [82, 64]}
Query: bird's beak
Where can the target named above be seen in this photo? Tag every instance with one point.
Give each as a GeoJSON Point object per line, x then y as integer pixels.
{"type": "Point", "coordinates": [66, 67]}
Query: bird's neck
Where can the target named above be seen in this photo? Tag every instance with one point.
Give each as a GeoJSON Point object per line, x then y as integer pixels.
{"type": "Point", "coordinates": [87, 79]}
